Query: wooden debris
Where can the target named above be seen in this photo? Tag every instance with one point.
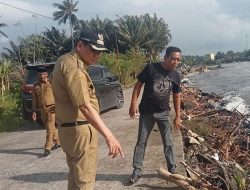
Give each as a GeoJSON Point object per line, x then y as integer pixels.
{"type": "Point", "coordinates": [179, 180]}
{"type": "Point", "coordinates": [216, 143]}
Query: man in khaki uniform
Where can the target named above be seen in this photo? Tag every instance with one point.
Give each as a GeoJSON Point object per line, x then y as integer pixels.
{"type": "Point", "coordinates": [77, 111]}
{"type": "Point", "coordinates": [43, 100]}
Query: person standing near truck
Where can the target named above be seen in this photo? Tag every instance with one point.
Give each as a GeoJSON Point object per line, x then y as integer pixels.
{"type": "Point", "coordinates": [43, 101]}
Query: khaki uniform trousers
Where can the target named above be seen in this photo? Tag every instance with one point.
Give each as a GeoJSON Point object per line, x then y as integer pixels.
{"type": "Point", "coordinates": [80, 145]}
{"type": "Point", "coordinates": [48, 119]}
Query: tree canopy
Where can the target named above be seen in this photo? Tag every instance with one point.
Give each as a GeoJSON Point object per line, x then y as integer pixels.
{"type": "Point", "coordinates": [65, 13]}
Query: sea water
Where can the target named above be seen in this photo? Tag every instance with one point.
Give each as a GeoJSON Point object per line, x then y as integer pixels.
{"type": "Point", "coordinates": [232, 81]}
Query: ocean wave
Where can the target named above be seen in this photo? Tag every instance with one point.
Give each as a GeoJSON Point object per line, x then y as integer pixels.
{"type": "Point", "coordinates": [233, 101]}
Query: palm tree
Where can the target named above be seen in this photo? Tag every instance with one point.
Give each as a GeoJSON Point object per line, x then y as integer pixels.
{"type": "Point", "coordinates": [56, 43]}
{"type": "Point", "coordinates": [106, 27]}
{"type": "Point", "coordinates": [132, 32]}
{"type": "Point", "coordinates": [158, 33]}
{"type": "Point", "coordinates": [66, 12]}
{"type": "Point", "coordinates": [13, 53]}
{"type": "Point", "coordinates": [23, 53]}
{"type": "Point", "coordinates": [1, 32]}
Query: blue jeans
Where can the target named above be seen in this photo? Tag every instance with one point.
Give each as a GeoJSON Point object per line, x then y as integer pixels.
{"type": "Point", "coordinates": [146, 124]}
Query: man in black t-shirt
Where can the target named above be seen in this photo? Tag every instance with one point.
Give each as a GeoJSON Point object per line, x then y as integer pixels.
{"type": "Point", "coordinates": [159, 80]}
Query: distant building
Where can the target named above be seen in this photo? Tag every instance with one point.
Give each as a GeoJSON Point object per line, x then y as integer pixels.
{"type": "Point", "coordinates": [212, 56]}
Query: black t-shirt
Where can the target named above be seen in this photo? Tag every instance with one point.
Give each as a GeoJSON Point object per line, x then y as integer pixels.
{"type": "Point", "coordinates": [159, 83]}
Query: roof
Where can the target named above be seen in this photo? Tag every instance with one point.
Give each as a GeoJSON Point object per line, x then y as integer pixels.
{"type": "Point", "coordinates": [52, 64]}
{"type": "Point", "coordinates": [35, 66]}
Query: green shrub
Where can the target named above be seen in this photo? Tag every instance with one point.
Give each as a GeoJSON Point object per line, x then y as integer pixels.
{"type": "Point", "coordinates": [126, 66]}
{"type": "Point", "coordinates": [199, 125]}
{"type": "Point", "coordinates": [11, 110]}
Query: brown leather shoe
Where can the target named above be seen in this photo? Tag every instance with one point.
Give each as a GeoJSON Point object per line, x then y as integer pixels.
{"type": "Point", "coordinates": [133, 179]}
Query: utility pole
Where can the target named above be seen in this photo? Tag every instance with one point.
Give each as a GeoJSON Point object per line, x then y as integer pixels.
{"type": "Point", "coordinates": [34, 52]}
{"type": "Point", "coordinates": [246, 43]}
{"type": "Point", "coordinates": [18, 23]}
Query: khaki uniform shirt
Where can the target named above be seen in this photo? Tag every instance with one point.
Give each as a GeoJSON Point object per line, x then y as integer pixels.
{"type": "Point", "coordinates": [72, 87]}
{"type": "Point", "coordinates": [42, 95]}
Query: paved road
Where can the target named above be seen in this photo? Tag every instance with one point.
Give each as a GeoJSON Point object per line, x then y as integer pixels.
{"type": "Point", "coordinates": [22, 166]}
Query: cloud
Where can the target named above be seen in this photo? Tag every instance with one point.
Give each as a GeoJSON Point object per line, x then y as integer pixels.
{"type": "Point", "coordinates": [4, 39]}
{"type": "Point", "coordinates": [144, 2]}
{"type": "Point", "coordinates": [11, 15]}
{"type": "Point", "coordinates": [197, 26]}
{"type": "Point", "coordinates": [238, 9]}
{"type": "Point", "coordinates": [204, 26]}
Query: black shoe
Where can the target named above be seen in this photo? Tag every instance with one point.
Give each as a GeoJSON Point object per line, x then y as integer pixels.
{"type": "Point", "coordinates": [134, 178]}
{"type": "Point", "coordinates": [56, 146]}
{"type": "Point", "coordinates": [46, 153]}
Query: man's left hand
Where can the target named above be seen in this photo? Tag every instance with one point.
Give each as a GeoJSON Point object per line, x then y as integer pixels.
{"type": "Point", "coordinates": [177, 123]}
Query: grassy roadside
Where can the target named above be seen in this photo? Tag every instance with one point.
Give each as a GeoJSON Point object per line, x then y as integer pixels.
{"type": "Point", "coordinates": [10, 113]}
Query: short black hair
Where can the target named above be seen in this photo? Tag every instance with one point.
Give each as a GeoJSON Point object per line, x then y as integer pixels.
{"type": "Point", "coordinates": [41, 69]}
{"type": "Point", "coordinates": [172, 49]}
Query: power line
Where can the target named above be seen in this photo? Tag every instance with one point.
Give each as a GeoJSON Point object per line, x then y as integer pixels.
{"type": "Point", "coordinates": [34, 13]}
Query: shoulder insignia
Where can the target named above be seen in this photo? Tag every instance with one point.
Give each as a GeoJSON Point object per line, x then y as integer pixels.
{"type": "Point", "coordinates": [36, 83]}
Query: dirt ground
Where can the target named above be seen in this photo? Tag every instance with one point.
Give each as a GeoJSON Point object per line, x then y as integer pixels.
{"type": "Point", "coordinates": [23, 166]}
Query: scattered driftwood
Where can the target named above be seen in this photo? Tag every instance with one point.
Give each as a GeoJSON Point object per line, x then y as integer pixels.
{"type": "Point", "coordinates": [216, 143]}
{"type": "Point", "coordinates": [179, 180]}
{"type": "Point", "coordinates": [198, 182]}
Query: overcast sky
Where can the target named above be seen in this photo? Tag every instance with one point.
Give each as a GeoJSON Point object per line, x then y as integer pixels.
{"type": "Point", "coordinates": [198, 27]}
